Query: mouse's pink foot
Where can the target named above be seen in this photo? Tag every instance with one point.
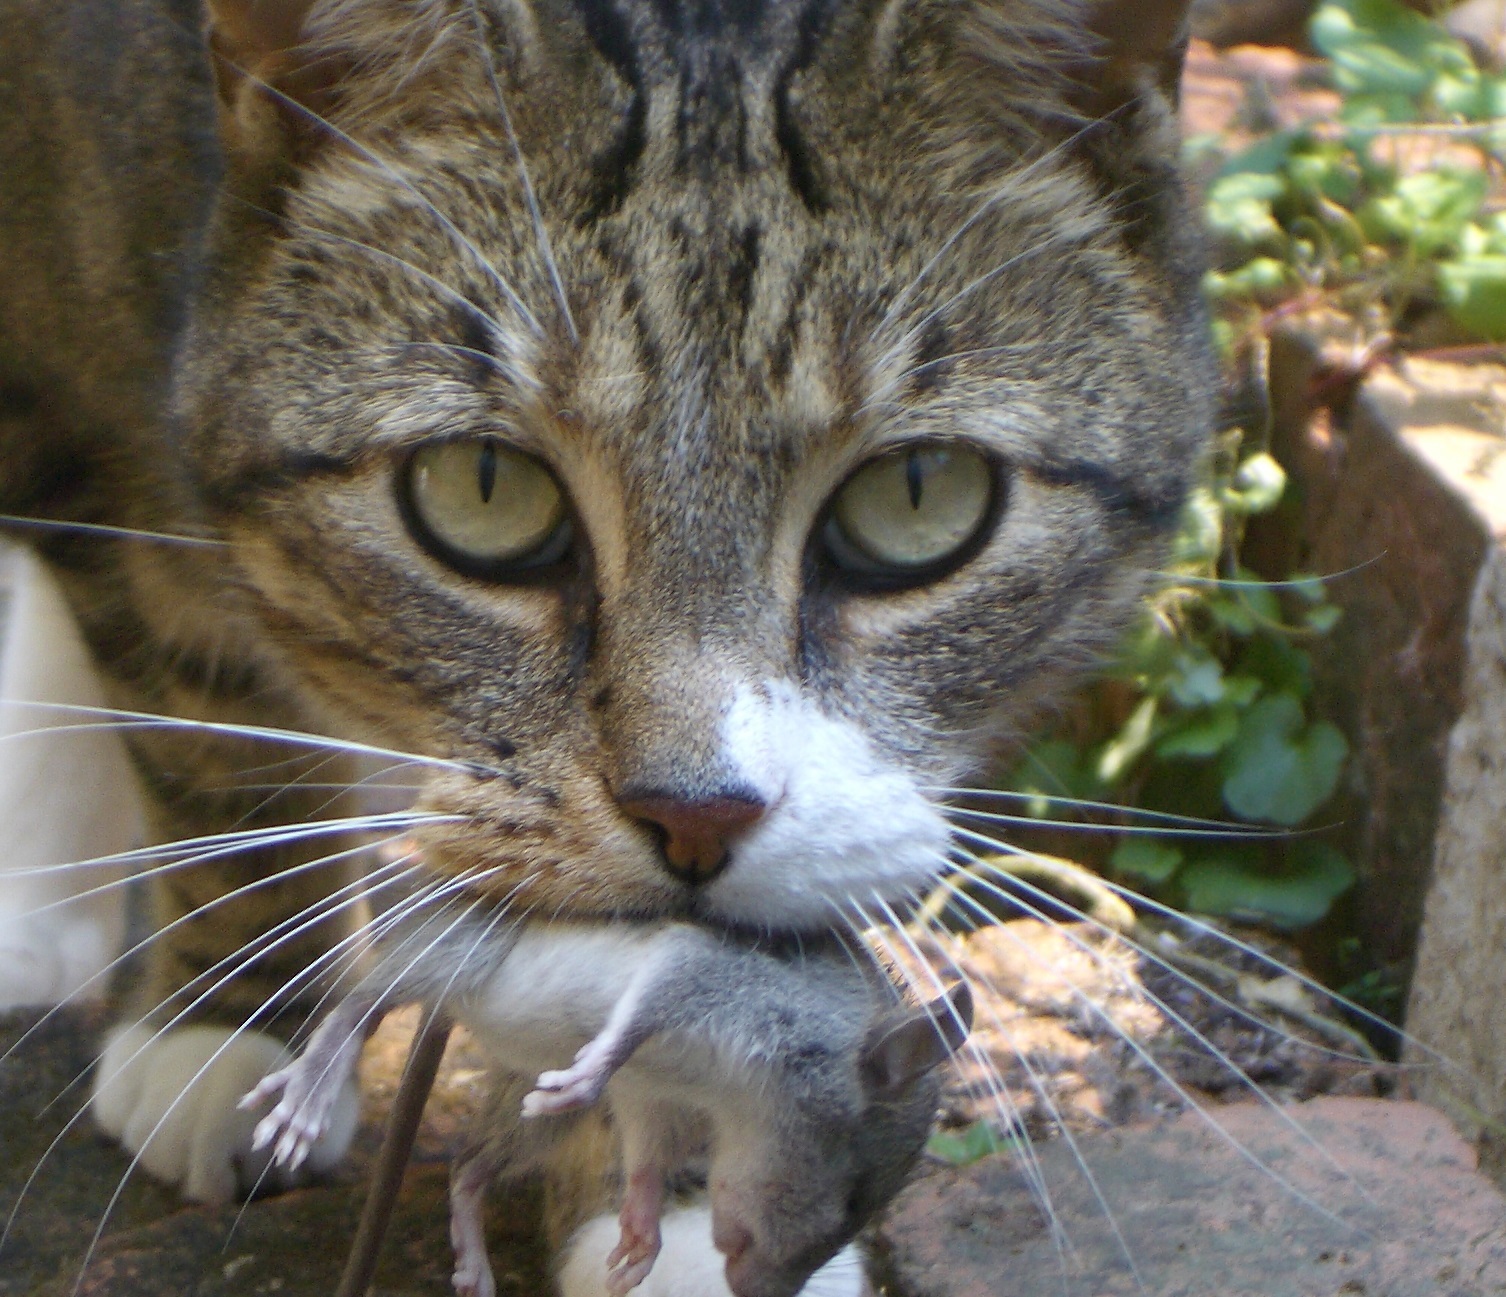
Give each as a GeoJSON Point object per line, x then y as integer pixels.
{"type": "Point", "coordinates": [629, 1263]}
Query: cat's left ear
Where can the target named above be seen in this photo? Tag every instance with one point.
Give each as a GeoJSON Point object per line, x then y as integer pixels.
{"type": "Point", "coordinates": [272, 86]}
{"type": "Point", "coordinates": [905, 1047]}
{"type": "Point", "coordinates": [1139, 48]}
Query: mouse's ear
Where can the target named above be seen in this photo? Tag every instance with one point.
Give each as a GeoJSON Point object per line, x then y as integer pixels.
{"type": "Point", "coordinates": [907, 1045]}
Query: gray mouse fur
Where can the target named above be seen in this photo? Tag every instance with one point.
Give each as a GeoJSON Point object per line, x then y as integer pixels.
{"type": "Point", "coordinates": [799, 1074]}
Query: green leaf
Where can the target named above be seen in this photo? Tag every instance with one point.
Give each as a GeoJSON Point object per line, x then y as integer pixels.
{"type": "Point", "coordinates": [1052, 769]}
{"type": "Point", "coordinates": [1262, 278]}
{"type": "Point", "coordinates": [1243, 606]}
{"type": "Point", "coordinates": [1382, 47]}
{"type": "Point", "coordinates": [1323, 618]}
{"type": "Point", "coordinates": [1280, 768]}
{"type": "Point", "coordinates": [1149, 862]}
{"type": "Point", "coordinates": [1474, 292]}
{"type": "Point", "coordinates": [1124, 749]}
{"type": "Point", "coordinates": [1238, 207]}
{"type": "Point", "coordinates": [960, 1148]}
{"type": "Point", "coordinates": [1279, 663]}
{"type": "Point", "coordinates": [1312, 877]}
{"type": "Point", "coordinates": [1197, 679]}
{"type": "Point", "coordinates": [1428, 211]}
{"type": "Point", "coordinates": [1202, 530]}
{"type": "Point", "coordinates": [1206, 736]}
{"type": "Point", "coordinates": [1258, 485]}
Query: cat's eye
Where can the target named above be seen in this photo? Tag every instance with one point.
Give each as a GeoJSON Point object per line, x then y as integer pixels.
{"type": "Point", "coordinates": [484, 508]}
{"type": "Point", "coordinates": [912, 513]}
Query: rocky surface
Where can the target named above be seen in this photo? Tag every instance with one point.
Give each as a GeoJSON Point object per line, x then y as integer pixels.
{"type": "Point", "coordinates": [1336, 1198]}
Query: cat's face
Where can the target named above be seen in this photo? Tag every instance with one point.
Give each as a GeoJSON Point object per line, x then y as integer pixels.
{"type": "Point", "coordinates": [735, 474]}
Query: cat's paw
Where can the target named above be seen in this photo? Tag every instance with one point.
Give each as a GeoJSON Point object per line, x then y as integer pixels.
{"type": "Point", "coordinates": [172, 1101]}
{"type": "Point", "coordinates": [688, 1264]}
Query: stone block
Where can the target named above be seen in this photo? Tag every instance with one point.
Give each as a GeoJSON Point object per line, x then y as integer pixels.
{"type": "Point", "coordinates": [1334, 1198]}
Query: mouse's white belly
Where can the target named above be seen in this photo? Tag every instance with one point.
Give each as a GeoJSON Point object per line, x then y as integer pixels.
{"type": "Point", "coordinates": [554, 991]}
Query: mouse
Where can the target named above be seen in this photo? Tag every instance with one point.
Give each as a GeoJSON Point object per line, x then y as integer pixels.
{"type": "Point", "coordinates": [794, 1074]}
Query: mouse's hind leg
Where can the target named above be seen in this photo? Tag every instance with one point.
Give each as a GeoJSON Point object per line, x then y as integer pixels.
{"type": "Point", "coordinates": [469, 1178]}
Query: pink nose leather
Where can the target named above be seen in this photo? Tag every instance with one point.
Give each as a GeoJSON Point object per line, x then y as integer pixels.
{"type": "Point", "coordinates": [696, 833]}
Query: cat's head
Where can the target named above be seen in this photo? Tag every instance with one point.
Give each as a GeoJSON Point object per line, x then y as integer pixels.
{"type": "Point", "coordinates": [722, 422]}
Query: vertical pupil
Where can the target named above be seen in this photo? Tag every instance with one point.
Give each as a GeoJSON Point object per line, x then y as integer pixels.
{"type": "Point", "coordinates": [486, 470]}
{"type": "Point", "coordinates": [915, 478]}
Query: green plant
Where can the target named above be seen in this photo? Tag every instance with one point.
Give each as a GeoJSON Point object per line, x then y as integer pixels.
{"type": "Point", "coordinates": [1388, 211]}
{"type": "Point", "coordinates": [1205, 714]}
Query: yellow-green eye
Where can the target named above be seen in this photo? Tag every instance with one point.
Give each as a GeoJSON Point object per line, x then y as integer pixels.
{"type": "Point", "coordinates": [907, 514]}
{"type": "Point", "coordinates": [485, 508]}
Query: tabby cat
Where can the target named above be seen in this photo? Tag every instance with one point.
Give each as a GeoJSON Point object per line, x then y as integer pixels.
{"type": "Point", "coordinates": [695, 434]}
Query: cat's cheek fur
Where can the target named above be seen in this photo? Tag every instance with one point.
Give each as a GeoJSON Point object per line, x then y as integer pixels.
{"type": "Point", "coordinates": [844, 823]}
{"type": "Point", "coordinates": [171, 1099]}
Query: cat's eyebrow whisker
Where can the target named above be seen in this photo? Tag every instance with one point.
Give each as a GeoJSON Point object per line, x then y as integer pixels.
{"type": "Point", "coordinates": [541, 231]}
{"type": "Point", "coordinates": [451, 294]}
{"type": "Point", "coordinates": [121, 718]}
{"type": "Point", "coordinates": [373, 159]}
{"type": "Point", "coordinates": [450, 348]}
{"type": "Point", "coordinates": [1007, 186]}
{"type": "Point", "coordinates": [879, 397]}
{"type": "Point", "coordinates": [906, 339]}
{"type": "Point", "coordinates": [1201, 1038]}
{"type": "Point", "coordinates": [23, 523]}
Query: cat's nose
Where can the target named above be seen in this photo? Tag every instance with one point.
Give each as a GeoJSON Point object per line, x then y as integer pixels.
{"type": "Point", "coordinates": [697, 833]}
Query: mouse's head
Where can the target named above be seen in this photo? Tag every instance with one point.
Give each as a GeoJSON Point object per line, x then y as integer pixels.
{"type": "Point", "coordinates": [778, 1218]}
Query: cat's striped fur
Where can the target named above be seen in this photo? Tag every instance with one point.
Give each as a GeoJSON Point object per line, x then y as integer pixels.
{"type": "Point", "coordinates": [703, 259]}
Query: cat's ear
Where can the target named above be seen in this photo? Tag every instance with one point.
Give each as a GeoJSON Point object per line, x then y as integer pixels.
{"type": "Point", "coordinates": [272, 86]}
{"type": "Point", "coordinates": [1138, 48]}
{"type": "Point", "coordinates": [907, 1046]}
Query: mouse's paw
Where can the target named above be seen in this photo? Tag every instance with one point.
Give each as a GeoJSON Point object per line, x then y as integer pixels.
{"type": "Point", "coordinates": [577, 1086]}
{"type": "Point", "coordinates": [308, 1100]}
{"type": "Point", "coordinates": [171, 1099]}
{"type": "Point", "coordinates": [473, 1275]}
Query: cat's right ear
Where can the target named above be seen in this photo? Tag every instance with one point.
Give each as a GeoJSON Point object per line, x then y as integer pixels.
{"type": "Point", "coordinates": [273, 87]}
